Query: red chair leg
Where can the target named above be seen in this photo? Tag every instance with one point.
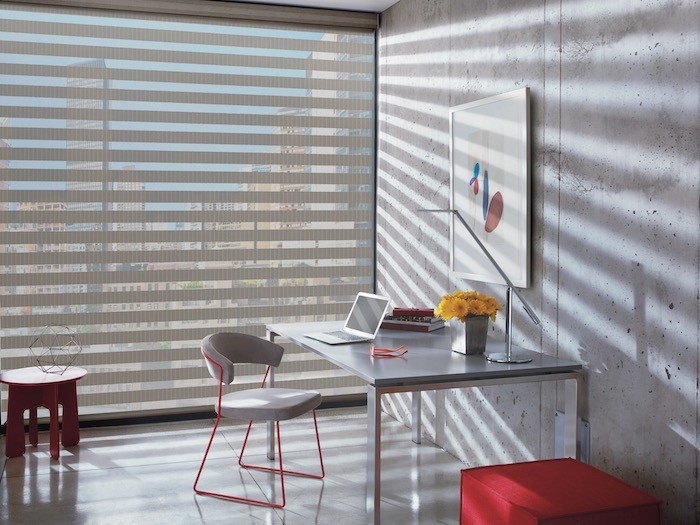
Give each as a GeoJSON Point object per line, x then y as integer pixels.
{"type": "Point", "coordinates": [239, 498]}
{"type": "Point", "coordinates": [280, 470]}
{"type": "Point", "coordinates": [318, 445]}
{"type": "Point", "coordinates": [206, 453]}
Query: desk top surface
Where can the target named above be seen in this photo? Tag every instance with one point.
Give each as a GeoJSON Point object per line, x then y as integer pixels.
{"type": "Point", "coordinates": [429, 358]}
{"type": "Point", "coordinates": [33, 376]}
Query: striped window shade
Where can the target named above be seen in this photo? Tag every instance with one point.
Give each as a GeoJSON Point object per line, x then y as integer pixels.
{"type": "Point", "coordinates": [164, 177]}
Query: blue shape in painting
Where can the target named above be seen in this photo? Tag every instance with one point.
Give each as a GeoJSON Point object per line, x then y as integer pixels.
{"type": "Point", "coordinates": [496, 204]}
{"type": "Point", "coordinates": [475, 179]}
{"type": "Point", "coordinates": [486, 194]}
{"type": "Point", "coordinates": [476, 175]}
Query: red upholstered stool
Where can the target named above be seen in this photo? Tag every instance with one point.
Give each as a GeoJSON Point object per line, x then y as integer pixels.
{"type": "Point", "coordinates": [554, 492]}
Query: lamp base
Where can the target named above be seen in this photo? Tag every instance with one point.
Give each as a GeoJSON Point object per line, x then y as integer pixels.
{"type": "Point", "coordinates": [502, 357]}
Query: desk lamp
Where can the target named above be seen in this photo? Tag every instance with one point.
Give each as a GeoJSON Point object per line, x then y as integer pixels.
{"type": "Point", "coordinates": [507, 356]}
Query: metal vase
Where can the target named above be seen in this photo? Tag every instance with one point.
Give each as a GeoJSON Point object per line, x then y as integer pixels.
{"type": "Point", "coordinates": [469, 337]}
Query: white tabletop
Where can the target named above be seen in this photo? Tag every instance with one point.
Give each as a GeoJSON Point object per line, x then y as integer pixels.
{"type": "Point", "coordinates": [429, 358]}
{"type": "Point", "coordinates": [34, 376]}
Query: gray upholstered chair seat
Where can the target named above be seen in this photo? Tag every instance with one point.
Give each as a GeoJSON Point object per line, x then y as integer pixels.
{"type": "Point", "coordinates": [269, 404]}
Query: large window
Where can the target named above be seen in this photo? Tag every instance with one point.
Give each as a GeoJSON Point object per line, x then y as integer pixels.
{"type": "Point", "coordinates": [163, 178]}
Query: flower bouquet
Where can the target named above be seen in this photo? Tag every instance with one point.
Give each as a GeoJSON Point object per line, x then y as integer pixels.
{"type": "Point", "coordinates": [470, 312]}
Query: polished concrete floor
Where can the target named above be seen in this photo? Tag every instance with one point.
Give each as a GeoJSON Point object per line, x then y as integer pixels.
{"type": "Point", "coordinates": [143, 475]}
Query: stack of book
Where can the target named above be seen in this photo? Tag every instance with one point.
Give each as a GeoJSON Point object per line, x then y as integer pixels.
{"type": "Point", "coordinates": [413, 319]}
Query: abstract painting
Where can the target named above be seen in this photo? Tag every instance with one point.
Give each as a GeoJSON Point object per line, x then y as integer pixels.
{"type": "Point", "coordinates": [490, 187]}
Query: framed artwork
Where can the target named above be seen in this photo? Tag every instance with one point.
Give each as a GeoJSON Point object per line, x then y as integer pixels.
{"type": "Point", "coordinates": [490, 187]}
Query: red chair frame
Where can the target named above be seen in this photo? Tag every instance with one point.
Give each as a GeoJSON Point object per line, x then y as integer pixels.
{"type": "Point", "coordinates": [280, 470]}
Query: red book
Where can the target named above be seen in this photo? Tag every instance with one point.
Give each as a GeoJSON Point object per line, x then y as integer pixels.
{"type": "Point", "coordinates": [414, 312]}
{"type": "Point", "coordinates": [427, 327]}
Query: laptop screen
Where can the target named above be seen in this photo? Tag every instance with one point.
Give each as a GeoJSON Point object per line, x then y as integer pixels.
{"type": "Point", "coordinates": [367, 313]}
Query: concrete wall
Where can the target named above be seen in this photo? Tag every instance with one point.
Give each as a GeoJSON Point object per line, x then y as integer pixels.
{"type": "Point", "coordinates": [615, 227]}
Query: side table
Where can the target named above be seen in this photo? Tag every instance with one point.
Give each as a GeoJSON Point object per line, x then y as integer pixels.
{"type": "Point", "coordinates": [30, 388]}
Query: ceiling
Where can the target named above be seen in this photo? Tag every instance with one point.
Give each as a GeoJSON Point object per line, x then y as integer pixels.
{"type": "Point", "coordinates": [372, 6]}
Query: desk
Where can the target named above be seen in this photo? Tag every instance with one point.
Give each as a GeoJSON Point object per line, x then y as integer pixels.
{"type": "Point", "coordinates": [30, 388]}
{"type": "Point", "coordinates": [429, 365]}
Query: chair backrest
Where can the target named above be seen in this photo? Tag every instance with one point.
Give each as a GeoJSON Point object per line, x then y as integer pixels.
{"type": "Point", "coordinates": [230, 348]}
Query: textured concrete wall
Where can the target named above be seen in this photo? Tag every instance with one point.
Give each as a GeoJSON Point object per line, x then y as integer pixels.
{"type": "Point", "coordinates": [615, 227]}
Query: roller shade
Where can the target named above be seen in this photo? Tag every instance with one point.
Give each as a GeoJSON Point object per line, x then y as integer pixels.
{"type": "Point", "coordinates": [163, 177]}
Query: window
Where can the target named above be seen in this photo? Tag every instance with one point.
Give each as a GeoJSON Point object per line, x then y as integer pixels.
{"type": "Point", "coordinates": [163, 178]}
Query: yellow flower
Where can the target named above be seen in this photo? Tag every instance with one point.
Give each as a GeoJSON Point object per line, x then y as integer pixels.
{"type": "Point", "coordinates": [462, 304]}
{"type": "Point", "coordinates": [460, 308]}
{"type": "Point", "coordinates": [477, 307]}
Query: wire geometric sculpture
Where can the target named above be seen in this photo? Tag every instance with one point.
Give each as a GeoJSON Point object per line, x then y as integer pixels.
{"type": "Point", "coordinates": [55, 348]}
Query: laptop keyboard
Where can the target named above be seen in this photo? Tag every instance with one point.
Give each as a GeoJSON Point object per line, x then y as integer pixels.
{"type": "Point", "coordinates": [345, 336]}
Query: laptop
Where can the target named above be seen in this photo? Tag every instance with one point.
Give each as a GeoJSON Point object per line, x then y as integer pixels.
{"type": "Point", "coordinates": [362, 323]}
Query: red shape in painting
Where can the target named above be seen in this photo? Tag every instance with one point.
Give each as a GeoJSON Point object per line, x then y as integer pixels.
{"type": "Point", "coordinates": [476, 187]}
{"type": "Point", "coordinates": [495, 212]}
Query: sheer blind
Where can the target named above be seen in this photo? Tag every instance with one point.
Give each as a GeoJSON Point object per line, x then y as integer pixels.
{"type": "Point", "coordinates": [163, 178]}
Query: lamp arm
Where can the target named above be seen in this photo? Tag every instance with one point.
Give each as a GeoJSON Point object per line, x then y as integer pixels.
{"type": "Point", "coordinates": [483, 248]}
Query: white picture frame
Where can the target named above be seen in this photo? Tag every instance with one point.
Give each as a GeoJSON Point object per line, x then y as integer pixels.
{"type": "Point", "coordinates": [490, 187]}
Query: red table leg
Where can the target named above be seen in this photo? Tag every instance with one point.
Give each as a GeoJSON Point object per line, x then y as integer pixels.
{"type": "Point", "coordinates": [14, 446]}
{"type": "Point", "coordinates": [33, 427]}
{"type": "Point", "coordinates": [68, 399]}
{"type": "Point", "coordinates": [49, 394]}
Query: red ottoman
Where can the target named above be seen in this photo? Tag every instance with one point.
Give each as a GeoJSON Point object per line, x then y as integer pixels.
{"type": "Point", "coordinates": [555, 492]}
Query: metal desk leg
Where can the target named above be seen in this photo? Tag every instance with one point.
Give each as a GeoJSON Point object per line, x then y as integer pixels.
{"type": "Point", "coordinates": [572, 409]}
{"type": "Point", "coordinates": [271, 424]}
{"type": "Point", "coordinates": [374, 431]}
{"type": "Point", "coordinates": [440, 417]}
{"type": "Point", "coordinates": [415, 416]}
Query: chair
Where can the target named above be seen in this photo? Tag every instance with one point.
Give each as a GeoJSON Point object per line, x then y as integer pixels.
{"type": "Point", "coordinates": [221, 352]}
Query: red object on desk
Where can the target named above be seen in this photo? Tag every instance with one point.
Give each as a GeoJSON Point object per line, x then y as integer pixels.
{"type": "Point", "coordinates": [29, 389]}
{"type": "Point", "coordinates": [375, 351]}
{"type": "Point", "coordinates": [552, 492]}
{"type": "Point", "coordinates": [417, 312]}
